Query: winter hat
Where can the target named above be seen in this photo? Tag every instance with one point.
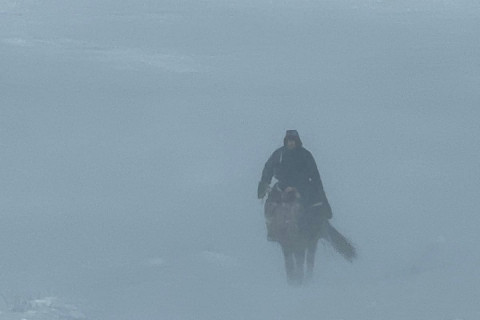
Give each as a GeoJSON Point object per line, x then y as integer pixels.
{"type": "Point", "coordinates": [292, 135]}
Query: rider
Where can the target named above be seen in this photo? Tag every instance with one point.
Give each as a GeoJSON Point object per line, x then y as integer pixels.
{"type": "Point", "coordinates": [294, 166]}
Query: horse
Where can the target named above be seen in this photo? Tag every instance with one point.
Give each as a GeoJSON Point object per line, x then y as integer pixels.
{"type": "Point", "coordinates": [298, 231]}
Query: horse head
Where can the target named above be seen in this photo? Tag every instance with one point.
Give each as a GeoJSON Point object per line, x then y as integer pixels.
{"type": "Point", "coordinates": [290, 195]}
{"type": "Point", "coordinates": [287, 196]}
{"type": "Point", "coordinates": [282, 214]}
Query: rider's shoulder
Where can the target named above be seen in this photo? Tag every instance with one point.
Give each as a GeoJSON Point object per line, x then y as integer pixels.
{"type": "Point", "coordinates": [277, 154]}
{"type": "Point", "coordinates": [279, 150]}
{"type": "Point", "coordinates": [305, 151]}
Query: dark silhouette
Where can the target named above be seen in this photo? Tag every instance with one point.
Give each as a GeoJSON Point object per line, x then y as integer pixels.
{"type": "Point", "coordinates": [297, 210]}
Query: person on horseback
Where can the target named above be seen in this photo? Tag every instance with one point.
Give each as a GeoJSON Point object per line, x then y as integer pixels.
{"type": "Point", "coordinates": [297, 211]}
{"type": "Point", "coordinates": [294, 167]}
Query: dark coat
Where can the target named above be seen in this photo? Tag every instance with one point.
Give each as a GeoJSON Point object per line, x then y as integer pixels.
{"type": "Point", "coordinates": [297, 168]}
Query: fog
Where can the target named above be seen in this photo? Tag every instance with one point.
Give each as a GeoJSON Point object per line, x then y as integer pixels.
{"type": "Point", "coordinates": [133, 135]}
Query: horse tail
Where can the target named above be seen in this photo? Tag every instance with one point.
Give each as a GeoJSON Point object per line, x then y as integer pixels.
{"type": "Point", "coordinates": [341, 244]}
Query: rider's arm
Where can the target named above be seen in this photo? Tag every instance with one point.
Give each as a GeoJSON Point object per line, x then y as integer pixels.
{"type": "Point", "coordinates": [268, 169]}
{"type": "Point", "coordinates": [267, 175]}
{"type": "Point", "coordinates": [315, 176]}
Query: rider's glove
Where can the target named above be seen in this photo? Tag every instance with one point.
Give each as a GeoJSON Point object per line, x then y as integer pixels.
{"type": "Point", "coordinates": [262, 190]}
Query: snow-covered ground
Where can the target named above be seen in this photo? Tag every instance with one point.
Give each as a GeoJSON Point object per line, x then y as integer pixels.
{"type": "Point", "coordinates": [133, 134]}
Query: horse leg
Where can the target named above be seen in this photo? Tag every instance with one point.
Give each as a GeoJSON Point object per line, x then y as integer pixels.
{"type": "Point", "coordinates": [311, 250]}
{"type": "Point", "coordinates": [289, 264]}
{"type": "Point", "coordinates": [299, 265]}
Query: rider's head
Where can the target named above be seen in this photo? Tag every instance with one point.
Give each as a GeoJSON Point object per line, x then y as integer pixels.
{"type": "Point", "coordinates": [292, 140]}
{"type": "Point", "coordinates": [291, 144]}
